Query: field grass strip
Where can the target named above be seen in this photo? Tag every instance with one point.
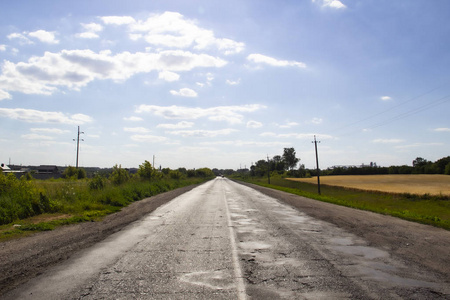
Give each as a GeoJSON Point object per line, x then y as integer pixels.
{"type": "Point", "coordinates": [433, 211]}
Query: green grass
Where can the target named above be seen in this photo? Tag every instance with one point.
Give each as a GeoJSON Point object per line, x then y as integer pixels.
{"type": "Point", "coordinates": [40, 205]}
{"type": "Point", "coordinates": [425, 209]}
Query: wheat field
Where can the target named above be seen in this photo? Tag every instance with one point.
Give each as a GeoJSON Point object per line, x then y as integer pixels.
{"type": "Point", "coordinates": [412, 184]}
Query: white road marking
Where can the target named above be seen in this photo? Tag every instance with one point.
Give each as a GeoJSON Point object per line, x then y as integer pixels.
{"type": "Point", "coordinates": [237, 267]}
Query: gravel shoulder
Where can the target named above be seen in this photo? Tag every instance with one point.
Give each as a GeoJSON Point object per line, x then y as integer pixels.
{"type": "Point", "coordinates": [423, 245]}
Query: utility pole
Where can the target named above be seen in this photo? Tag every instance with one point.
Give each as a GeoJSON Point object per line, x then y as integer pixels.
{"type": "Point", "coordinates": [317, 163]}
{"type": "Point", "coordinates": [78, 144]}
{"type": "Point", "coordinates": [268, 169]}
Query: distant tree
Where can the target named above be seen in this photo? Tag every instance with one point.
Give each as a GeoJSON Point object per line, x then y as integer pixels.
{"type": "Point", "coordinates": [69, 172]}
{"type": "Point", "coordinates": [204, 172]}
{"type": "Point", "coordinates": [447, 169]}
{"type": "Point", "coordinates": [442, 163]}
{"type": "Point", "coordinates": [260, 168]}
{"type": "Point", "coordinates": [81, 173]}
{"type": "Point", "coordinates": [165, 171]}
{"type": "Point", "coordinates": [419, 162]}
{"type": "Point", "coordinates": [74, 173]}
{"type": "Point", "coordinates": [119, 175]}
{"type": "Point", "coordinates": [289, 158]}
{"type": "Point", "coordinates": [146, 170]}
{"type": "Point", "coordinates": [175, 174]}
{"type": "Point", "coordinates": [277, 163]}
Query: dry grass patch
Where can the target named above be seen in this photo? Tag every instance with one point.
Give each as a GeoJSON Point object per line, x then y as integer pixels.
{"type": "Point", "coordinates": [413, 184]}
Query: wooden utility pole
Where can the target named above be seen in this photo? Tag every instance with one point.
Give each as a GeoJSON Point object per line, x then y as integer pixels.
{"type": "Point", "coordinates": [78, 144]}
{"type": "Point", "coordinates": [317, 164]}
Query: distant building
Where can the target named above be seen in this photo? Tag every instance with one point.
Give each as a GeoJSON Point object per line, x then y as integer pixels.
{"type": "Point", "coordinates": [5, 168]}
{"type": "Point", "coordinates": [48, 169]}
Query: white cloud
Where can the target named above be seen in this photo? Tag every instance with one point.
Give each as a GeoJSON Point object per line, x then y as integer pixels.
{"type": "Point", "coordinates": [184, 92]}
{"type": "Point", "coordinates": [387, 141]}
{"type": "Point", "coordinates": [417, 145]}
{"type": "Point", "coordinates": [296, 135]}
{"type": "Point", "coordinates": [133, 119]}
{"type": "Point", "coordinates": [36, 116]}
{"type": "Point", "coordinates": [263, 59]}
{"type": "Point", "coordinates": [171, 29]}
{"type": "Point", "coordinates": [254, 124]}
{"type": "Point", "coordinates": [118, 20]}
{"type": "Point", "coordinates": [44, 36]}
{"type": "Point", "coordinates": [88, 35]}
{"type": "Point", "coordinates": [317, 121]}
{"type": "Point", "coordinates": [91, 31]}
{"type": "Point", "coordinates": [22, 39]}
{"type": "Point", "coordinates": [148, 138]}
{"type": "Point", "coordinates": [385, 98]}
{"type": "Point", "coordinates": [4, 95]}
{"type": "Point", "coordinates": [92, 27]}
{"type": "Point", "coordinates": [202, 133]}
{"type": "Point", "coordinates": [231, 114]}
{"type": "Point", "coordinates": [49, 130]}
{"type": "Point", "coordinates": [179, 125]}
{"type": "Point", "coordinates": [233, 82]}
{"type": "Point", "coordinates": [442, 129]}
{"type": "Point", "coordinates": [287, 125]}
{"type": "Point", "coordinates": [135, 37]}
{"type": "Point", "coordinates": [331, 3]}
{"type": "Point", "coordinates": [168, 76]}
{"type": "Point", "coordinates": [33, 136]}
{"type": "Point", "coordinates": [240, 143]}
{"type": "Point", "coordinates": [74, 69]}
{"type": "Point", "coordinates": [136, 129]}
{"type": "Point", "coordinates": [2, 47]}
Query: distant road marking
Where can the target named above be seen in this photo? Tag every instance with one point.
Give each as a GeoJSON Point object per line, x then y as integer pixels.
{"type": "Point", "coordinates": [237, 267]}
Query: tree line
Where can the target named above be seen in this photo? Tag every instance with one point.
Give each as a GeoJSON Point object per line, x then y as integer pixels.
{"type": "Point", "coordinates": [288, 164]}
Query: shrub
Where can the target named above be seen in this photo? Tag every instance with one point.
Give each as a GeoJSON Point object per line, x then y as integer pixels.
{"type": "Point", "coordinates": [97, 183]}
{"type": "Point", "coordinates": [175, 175]}
{"type": "Point", "coordinates": [119, 175]}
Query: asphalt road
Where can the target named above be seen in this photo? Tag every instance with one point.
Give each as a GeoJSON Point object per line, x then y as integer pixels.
{"type": "Point", "coordinates": [223, 240]}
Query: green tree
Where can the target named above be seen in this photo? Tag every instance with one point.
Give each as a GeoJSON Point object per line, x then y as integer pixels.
{"type": "Point", "coordinates": [447, 169]}
{"type": "Point", "coordinates": [277, 163]}
{"type": "Point", "coordinates": [146, 170]}
{"type": "Point", "coordinates": [119, 175]}
{"type": "Point", "coordinates": [70, 172]}
{"type": "Point", "coordinates": [442, 163]}
{"type": "Point", "coordinates": [289, 158]}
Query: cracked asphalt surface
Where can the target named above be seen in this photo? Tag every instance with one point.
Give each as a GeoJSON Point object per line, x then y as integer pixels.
{"type": "Point", "coordinates": [224, 240]}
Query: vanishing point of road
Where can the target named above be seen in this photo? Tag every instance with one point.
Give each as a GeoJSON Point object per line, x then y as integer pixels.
{"type": "Point", "coordinates": [224, 240]}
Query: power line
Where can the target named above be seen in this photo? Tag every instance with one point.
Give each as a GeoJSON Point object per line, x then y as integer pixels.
{"type": "Point", "coordinates": [402, 115]}
{"type": "Point", "coordinates": [412, 112]}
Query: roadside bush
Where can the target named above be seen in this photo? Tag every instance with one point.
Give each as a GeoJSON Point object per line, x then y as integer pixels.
{"type": "Point", "coordinates": [97, 183]}
{"type": "Point", "coordinates": [74, 173]}
{"type": "Point", "coordinates": [119, 175]}
{"type": "Point", "coordinates": [175, 175]}
{"type": "Point", "coordinates": [20, 199]}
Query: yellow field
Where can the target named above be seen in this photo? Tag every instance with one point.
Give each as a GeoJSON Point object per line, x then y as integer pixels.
{"type": "Point", "coordinates": [413, 184]}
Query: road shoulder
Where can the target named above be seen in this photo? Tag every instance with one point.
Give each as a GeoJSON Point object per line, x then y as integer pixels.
{"type": "Point", "coordinates": [423, 245]}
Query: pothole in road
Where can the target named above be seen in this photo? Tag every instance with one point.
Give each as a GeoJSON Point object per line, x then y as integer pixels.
{"type": "Point", "coordinates": [254, 246]}
{"type": "Point", "coordinates": [218, 280]}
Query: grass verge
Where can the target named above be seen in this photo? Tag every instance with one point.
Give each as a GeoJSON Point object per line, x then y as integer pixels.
{"type": "Point", "coordinates": [71, 202]}
{"type": "Point", "coordinates": [425, 209]}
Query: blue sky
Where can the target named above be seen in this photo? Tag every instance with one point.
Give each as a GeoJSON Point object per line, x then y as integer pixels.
{"type": "Point", "coordinates": [222, 84]}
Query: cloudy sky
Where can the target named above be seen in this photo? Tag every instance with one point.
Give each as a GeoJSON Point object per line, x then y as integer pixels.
{"type": "Point", "coordinates": [222, 84]}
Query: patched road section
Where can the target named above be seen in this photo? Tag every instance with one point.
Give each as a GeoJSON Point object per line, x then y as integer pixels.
{"type": "Point", "coordinates": [223, 240]}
